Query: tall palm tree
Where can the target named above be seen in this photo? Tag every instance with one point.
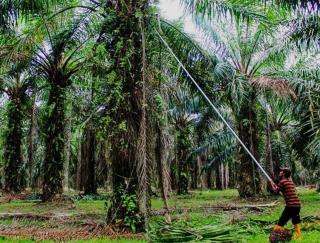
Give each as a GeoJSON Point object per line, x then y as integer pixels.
{"type": "Point", "coordinates": [303, 77]}
{"type": "Point", "coordinates": [56, 54]}
{"type": "Point", "coordinates": [282, 127]}
{"type": "Point", "coordinates": [15, 83]}
{"type": "Point", "coordinates": [125, 31]}
{"type": "Point", "coordinates": [61, 62]}
{"type": "Point", "coordinates": [184, 109]}
{"type": "Point", "coordinates": [215, 144]}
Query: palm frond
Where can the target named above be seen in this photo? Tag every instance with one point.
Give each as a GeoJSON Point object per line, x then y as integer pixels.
{"type": "Point", "coordinates": [308, 5]}
{"type": "Point", "coordinates": [215, 142]}
{"type": "Point", "coordinates": [222, 157]}
{"type": "Point", "coordinates": [239, 9]}
{"type": "Point", "coordinates": [192, 55]}
{"type": "Point", "coordinates": [278, 85]}
{"type": "Point", "coordinates": [12, 10]}
{"type": "Point", "coordinates": [304, 31]}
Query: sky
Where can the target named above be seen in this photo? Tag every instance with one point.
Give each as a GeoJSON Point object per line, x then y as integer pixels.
{"type": "Point", "coordinates": [172, 10]}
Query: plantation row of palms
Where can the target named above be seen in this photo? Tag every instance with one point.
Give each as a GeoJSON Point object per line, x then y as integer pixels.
{"type": "Point", "coordinates": [91, 97]}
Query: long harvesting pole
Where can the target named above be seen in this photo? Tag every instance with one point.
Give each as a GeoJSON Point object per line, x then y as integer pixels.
{"type": "Point", "coordinates": [215, 108]}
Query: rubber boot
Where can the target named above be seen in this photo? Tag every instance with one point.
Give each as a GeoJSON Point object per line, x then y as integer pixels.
{"type": "Point", "coordinates": [297, 231]}
{"type": "Point", "coordinates": [278, 227]}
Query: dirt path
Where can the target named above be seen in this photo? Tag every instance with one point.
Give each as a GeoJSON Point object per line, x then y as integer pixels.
{"type": "Point", "coordinates": [59, 227]}
{"type": "Point", "coordinates": [65, 233]}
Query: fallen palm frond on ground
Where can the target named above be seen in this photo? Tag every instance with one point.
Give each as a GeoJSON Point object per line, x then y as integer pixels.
{"type": "Point", "coordinates": [310, 223]}
{"type": "Point", "coordinates": [205, 233]}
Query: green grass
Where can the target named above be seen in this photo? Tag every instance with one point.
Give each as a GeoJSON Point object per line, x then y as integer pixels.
{"type": "Point", "coordinates": [19, 207]}
{"type": "Point", "coordinates": [197, 199]}
{"type": "Point", "coordinates": [243, 218]}
{"type": "Point", "coordinates": [194, 199]}
{"type": "Point", "coordinates": [257, 234]}
{"type": "Point", "coordinates": [29, 223]}
{"type": "Point", "coordinates": [310, 206]}
{"type": "Point", "coordinates": [90, 207]}
{"type": "Point", "coordinates": [308, 237]}
{"type": "Point", "coordinates": [82, 206]}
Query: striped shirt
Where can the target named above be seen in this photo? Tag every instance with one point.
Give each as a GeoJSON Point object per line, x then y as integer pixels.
{"type": "Point", "coordinates": [289, 192]}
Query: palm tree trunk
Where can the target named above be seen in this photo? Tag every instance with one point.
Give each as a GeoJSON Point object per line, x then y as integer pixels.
{"type": "Point", "coordinates": [209, 179]}
{"type": "Point", "coordinates": [161, 155]}
{"type": "Point", "coordinates": [141, 151]}
{"type": "Point", "coordinates": [182, 149]}
{"type": "Point", "coordinates": [124, 176]}
{"type": "Point", "coordinates": [14, 172]}
{"type": "Point", "coordinates": [203, 174]}
{"type": "Point", "coordinates": [227, 176]}
{"type": "Point", "coordinates": [195, 175]}
{"type": "Point", "coordinates": [102, 167]}
{"type": "Point", "coordinates": [67, 154]}
{"type": "Point", "coordinates": [173, 170]}
{"type": "Point", "coordinates": [218, 177]}
{"type": "Point", "coordinates": [126, 52]}
{"type": "Point", "coordinates": [249, 178]}
{"type": "Point", "coordinates": [88, 161]}
{"type": "Point", "coordinates": [233, 183]}
{"type": "Point", "coordinates": [269, 161]}
{"type": "Point", "coordinates": [31, 142]}
{"type": "Point", "coordinates": [54, 144]}
{"type": "Point", "coordinates": [79, 180]}
{"type": "Point", "coordinates": [200, 162]}
{"type": "Point", "coordinates": [222, 174]}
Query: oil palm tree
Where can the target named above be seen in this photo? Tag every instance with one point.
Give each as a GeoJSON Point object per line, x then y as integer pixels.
{"type": "Point", "coordinates": [303, 77]}
{"type": "Point", "coordinates": [125, 34]}
{"type": "Point", "coordinates": [15, 83]}
{"type": "Point", "coordinates": [215, 144]}
{"type": "Point", "coordinates": [243, 51]}
{"type": "Point", "coordinates": [184, 109]}
{"type": "Point", "coordinates": [56, 54]}
{"type": "Point", "coordinates": [58, 67]}
{"type": "Point", "coordinates": [283, 128]}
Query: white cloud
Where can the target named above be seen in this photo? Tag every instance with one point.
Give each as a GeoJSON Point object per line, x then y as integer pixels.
{"type": "Point", "coordinates": [173, 10]}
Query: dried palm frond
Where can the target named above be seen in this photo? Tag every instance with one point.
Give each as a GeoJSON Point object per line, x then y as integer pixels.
{"type": "Point", "coordinates": [278, 85]}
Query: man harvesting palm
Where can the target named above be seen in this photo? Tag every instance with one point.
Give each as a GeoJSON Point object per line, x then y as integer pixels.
{"type": "Point", "coordinates": [293, 204]}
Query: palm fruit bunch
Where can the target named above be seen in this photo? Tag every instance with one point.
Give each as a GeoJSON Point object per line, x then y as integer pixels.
{"type": "Point", "coordinates": [280, 235]}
